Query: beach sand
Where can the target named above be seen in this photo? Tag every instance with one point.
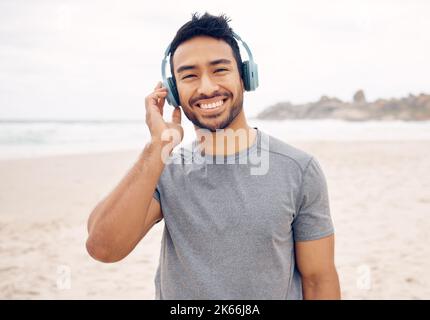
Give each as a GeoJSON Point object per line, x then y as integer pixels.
{"type": "Point", "coordinates": [379, 198]}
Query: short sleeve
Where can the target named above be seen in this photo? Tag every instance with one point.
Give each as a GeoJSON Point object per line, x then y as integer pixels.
{"type": "Point", "coordinates": [313, 219]}
{"type": "Point", "coordinates": [156, 194]}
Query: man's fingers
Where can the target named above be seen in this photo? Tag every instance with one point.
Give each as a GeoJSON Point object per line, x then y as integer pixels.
{"type": "Point", "coordinates": [153, 99]}
{"type": "Point", "coordinates": [176, 115]}
{"type": "Point", "coordinates": [157, 95]}
{"type": "Point", "coordinates": [161, 105]}
{"type": "Point", "coordinates": [161, 88]}
{"type": "Point", "coordinates": [159, 85]}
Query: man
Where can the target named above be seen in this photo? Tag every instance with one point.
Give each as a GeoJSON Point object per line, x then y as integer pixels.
{"type": "Point", "coordinates": [229, 233]}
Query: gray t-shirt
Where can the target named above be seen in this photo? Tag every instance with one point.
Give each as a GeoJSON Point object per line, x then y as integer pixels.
{"type": "Point", "coordinates": [230, 228]}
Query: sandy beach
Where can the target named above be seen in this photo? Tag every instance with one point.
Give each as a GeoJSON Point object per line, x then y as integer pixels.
{"type": "Point", "coordinates": [379, 197]}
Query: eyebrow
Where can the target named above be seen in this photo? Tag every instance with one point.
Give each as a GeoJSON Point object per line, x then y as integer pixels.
{"type": "Point", "coordinates": [212, 63]}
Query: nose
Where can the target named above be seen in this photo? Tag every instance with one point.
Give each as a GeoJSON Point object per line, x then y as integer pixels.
{"type": "Point", "coordinates": [207, 86]}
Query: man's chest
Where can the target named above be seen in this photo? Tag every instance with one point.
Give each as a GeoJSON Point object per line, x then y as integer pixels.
{"type": "Point", "coordinates": [232, 202]}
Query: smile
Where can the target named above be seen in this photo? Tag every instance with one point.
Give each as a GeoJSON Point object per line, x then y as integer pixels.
{"type": "Point", "coordinates": [212, 106]}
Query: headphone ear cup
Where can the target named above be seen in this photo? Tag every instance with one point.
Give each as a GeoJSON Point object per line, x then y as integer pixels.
{"type": "Point", "coordinates": [173, 95]}
{"type": "Point", "coordinates": [245, 74]}
{"type": "Point", "coordinates": [250, 75]}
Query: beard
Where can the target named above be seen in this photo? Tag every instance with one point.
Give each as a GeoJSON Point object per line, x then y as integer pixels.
{"type": "Point", "coordinates": [217, 121]}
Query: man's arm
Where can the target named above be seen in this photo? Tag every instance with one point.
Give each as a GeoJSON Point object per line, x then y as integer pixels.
{"type": "Point", "coordinates": [123, 218]}
{"type": "Point", "coordinates": [315, 261]}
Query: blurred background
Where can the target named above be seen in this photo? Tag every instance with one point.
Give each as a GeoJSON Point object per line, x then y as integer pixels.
{"type": "Point", "coordinates": [346, 81]}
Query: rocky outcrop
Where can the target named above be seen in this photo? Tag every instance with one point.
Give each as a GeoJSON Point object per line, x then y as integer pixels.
{"type": "Point", "coordinates": [412, 108]}
{"type": "Point", "coordinates": [359, 97]}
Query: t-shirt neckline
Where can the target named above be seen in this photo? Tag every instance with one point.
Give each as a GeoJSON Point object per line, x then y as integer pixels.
{"type": "Point", "coordinates": [248, 151]}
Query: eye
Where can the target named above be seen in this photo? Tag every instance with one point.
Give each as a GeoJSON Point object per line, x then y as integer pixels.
{"type": "Point", "coordinates": [220, 70]}
{"type": "Point", "coordinates": [190, 75]}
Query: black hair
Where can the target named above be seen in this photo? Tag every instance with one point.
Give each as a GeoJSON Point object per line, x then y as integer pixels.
{"type": "Point", "coordinates": [206, 25]}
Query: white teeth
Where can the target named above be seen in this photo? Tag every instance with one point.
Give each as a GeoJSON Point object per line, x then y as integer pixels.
{"type": "Point", "coordinates": [212, 105]}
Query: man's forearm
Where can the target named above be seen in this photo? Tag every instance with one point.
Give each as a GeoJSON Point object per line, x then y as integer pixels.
{"type": "Point", "coordinates": [322, 288]}
{"type": "Point", "coordinates": [118, 219]}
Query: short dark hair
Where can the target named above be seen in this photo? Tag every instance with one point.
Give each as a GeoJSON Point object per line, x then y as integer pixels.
{"type": "Point", "coordinates": [206, 25]}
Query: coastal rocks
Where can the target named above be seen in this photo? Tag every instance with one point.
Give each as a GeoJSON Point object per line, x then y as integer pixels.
{"type": "Point", "coordinates": [359, 97]}
{"type": "Point", "coordinates": [411, 108]}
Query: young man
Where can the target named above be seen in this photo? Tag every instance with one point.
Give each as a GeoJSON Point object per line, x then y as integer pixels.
{"type": "Point", "coordinates": [230, 233]}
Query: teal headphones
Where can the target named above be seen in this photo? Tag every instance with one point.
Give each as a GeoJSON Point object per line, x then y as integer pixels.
{"type": "Point", "coordinates": [249, 75]}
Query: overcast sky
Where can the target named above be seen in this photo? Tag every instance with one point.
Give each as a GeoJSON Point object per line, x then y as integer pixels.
{"type": "Point", "coordinates": [99, 59]}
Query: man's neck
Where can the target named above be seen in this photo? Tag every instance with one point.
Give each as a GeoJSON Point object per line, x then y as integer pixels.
{"type": "Point", "coordinates": [236, 137]}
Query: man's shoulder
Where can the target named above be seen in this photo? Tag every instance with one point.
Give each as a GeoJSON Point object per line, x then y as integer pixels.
{"type": "Point", "coordinates": [283, 151]}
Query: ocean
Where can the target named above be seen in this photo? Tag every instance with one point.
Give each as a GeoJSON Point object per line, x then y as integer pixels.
{"type": "Point", "coordinates": [35, 138]}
